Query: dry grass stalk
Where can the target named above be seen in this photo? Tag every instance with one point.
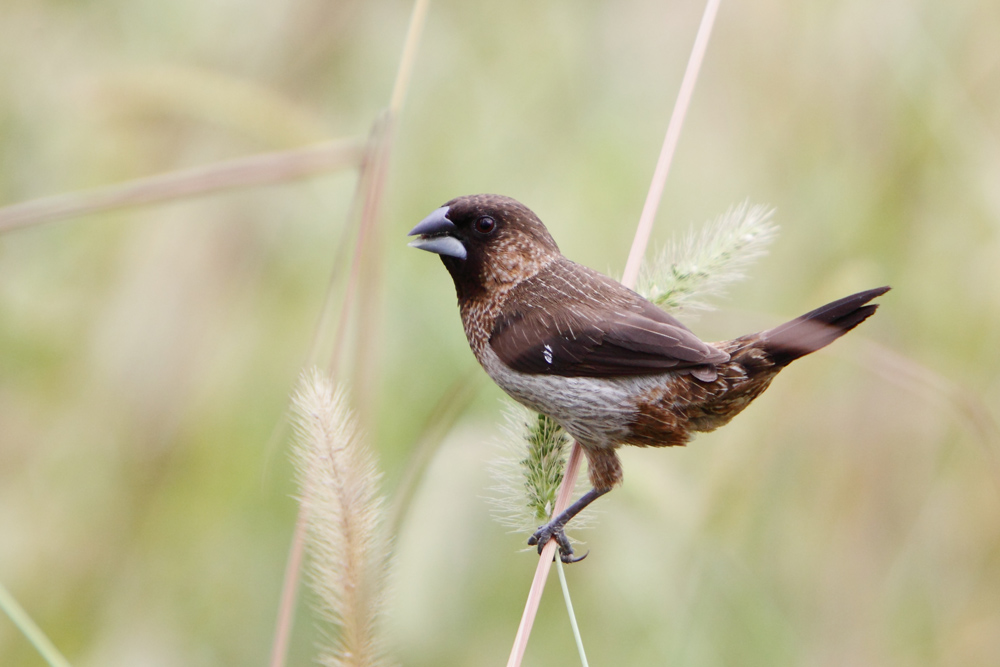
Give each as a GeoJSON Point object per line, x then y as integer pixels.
{"type": "Point", "coordinates": [636, 254]}
{"type": "Point", "coordinates": [369, 192]}
{"type": "Point", "coordinates": [339, 482]}
{"type": "Point", "coordinates": [655, 193]}
{"type": "Point", "coordinates": [256, 170]}
{"type": "Point", "coordinates": [442, 417]}
{"type": "Point", "coordinates": [544, 562]}
{"type": "Point", "coordinates": [372, 187]}
{"type": "Point", "coordinates": [966, 407]}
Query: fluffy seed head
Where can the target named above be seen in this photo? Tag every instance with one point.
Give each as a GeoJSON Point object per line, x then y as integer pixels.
{"type": "Point", "coordinates": [338, 482]}
{"type": "Point", "coordinates": [704, 263]}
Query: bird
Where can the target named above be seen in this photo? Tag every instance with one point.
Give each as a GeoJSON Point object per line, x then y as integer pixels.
{"type": "Point", "coordinates": [606, 364]}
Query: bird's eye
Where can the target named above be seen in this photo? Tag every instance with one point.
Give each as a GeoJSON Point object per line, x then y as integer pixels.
{"type": "Point", "coordinates": [485, 224]}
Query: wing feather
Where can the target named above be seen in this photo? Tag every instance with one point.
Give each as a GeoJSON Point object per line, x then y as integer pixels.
{"type": "Point", "coordinates": [591, 326]}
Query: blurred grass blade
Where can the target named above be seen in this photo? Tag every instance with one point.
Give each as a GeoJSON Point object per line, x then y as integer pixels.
{"type": "Point", "coordinates": [967, 408]}
{"type": "Point", "coordinates": [409, 56]}
{"type": "Point", "coordinates": [30, 629]}
{"type": "Point", "coordinates": [210, 96]}
{"type": "Point", "coordinates": [440, 420]}
{"type": "Point", "coordinates": [374, 166]}
{"type": "Point", "coordinates": [256, 170]}
{"type": "Point", "coordinates": [572, 614]}
{"type": "Point", "coordinates": [368, 258]}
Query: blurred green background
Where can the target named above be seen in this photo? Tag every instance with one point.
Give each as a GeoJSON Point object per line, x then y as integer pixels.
{"type": "Point", "coordinates": [851, 516]}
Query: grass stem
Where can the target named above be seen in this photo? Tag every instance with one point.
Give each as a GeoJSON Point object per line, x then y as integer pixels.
{"type": "Point", "coordinates": [572, 615]}
{"type": "Point", "coordinates": [23, 622]}
{"type": "Point", "coordinates": [631, 275]}
{"type": "Point", "coordinates": [255, 170]}
{"type": "Point", "coordinates": [374, 161]}
{"type": "Point", "coordinates": [655, 193]}
{"type": "Point", "coordinates": [544, 563]}
{"type": "Point", "coordinates": [290, 589]}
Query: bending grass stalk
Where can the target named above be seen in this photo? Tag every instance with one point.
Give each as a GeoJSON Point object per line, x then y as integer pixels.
{"type": "Point", "coordinates": [252, 171]}
{"type": "Point", "coordinates": [279, 432]}
{"type": "Point", "coordinates": [446, 411]}
{"type": "Point", "coordinates": [373, 179]}
{"type": "Point", "coordinates": [368, 194]}
{"type": "Point", "coordinates": [572, 615]}
{"type": "Point", "coordinates": [369, 266]}
{"type": "Point", "coordinates": [968, 409]}
{"type": "Point", "coordinates": [293, 568]}
{"type": "Point", "coordinates": [368, 171]}
{"type": "Point", "coordinates": [22, 621]}
{"type": "Point", "coordinates": [639, 244]}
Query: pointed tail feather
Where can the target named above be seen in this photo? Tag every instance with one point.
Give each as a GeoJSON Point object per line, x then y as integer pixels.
{"type": "Point", "coordinates": [820, 327]}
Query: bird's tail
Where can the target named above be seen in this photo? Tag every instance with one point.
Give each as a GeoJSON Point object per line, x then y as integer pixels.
{"type": "Point", "coordinates": [820, 327]}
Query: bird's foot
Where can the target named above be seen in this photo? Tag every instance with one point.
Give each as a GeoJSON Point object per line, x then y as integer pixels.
{"type": "Point", "coordinates": [554, 530]}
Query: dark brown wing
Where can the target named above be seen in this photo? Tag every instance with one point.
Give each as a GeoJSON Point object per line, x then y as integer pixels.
{"type": "Point", "coordinates": [571, 321]}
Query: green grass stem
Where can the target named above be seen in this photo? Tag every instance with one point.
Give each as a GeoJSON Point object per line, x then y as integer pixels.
{"type": "Point", "coordinates": [572, 614]}
{"type": "Point", "coordinates": [22, 621]}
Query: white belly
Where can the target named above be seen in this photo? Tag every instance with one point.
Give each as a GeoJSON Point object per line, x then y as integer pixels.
{"type": "Point", "coordinates": [595, 411]}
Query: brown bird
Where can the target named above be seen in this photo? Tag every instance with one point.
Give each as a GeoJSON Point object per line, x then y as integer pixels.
{"type": "Point", "coordinates": [606, 364]}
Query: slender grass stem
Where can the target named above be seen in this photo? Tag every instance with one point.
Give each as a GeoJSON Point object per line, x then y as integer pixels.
{"type": "Point", "coordinates": [369, 262]}
{"type": "Point", "coordinates": [404, 74]}
{"type": "Point", "coordinates": [290, 588]}
{"type": "Point", "coordinates": [371, 177]}
{"type": "Point", "coordinates": [369, 191]}
{"type": "Point", "coordinates": [442, 417]}
{"type": "Point", "coordinates": [631, 275]}
{"type": "Point", "coordinates": [23, 622]}
{"type": "Point", "coordinates": [255, 170]}
{"type": "Point", "coordinates": [572, 615]}
{"type": "Point", "coordinates": [655, 193]}
{"type": "Point", "coordinates": [544, 563]}
{"type": "Point", "coordinates": [968, 409]}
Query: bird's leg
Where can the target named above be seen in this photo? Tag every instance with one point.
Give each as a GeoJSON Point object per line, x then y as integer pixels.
{"type": "Point", "coordinates": [554, 528]}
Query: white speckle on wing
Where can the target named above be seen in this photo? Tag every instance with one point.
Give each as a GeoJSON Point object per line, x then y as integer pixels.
{"type": "Point", "coordinates": [547, 353]}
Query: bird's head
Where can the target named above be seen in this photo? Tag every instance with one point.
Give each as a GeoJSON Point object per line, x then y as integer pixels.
{"type": "Point", "coordinates": [486, 241]}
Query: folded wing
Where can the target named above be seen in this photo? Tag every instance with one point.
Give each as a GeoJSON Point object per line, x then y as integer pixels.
{"type": "Point", "coordinates": [574, 322]}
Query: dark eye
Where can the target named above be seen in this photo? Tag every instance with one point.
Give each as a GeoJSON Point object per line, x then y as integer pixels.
{"type": "Point", "coordinates": [485, 224]}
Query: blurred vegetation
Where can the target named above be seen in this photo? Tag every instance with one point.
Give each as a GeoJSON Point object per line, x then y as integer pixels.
{"type": "Point", "coordinates": [850, 516]}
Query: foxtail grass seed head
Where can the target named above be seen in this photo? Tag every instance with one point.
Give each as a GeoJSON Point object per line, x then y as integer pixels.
{"type": "Point", "coordinates": [529, 470]}
{"type": "Point", "coordinates": [338, 482]}
{"type": "Point", "coordinates": [687, 272]}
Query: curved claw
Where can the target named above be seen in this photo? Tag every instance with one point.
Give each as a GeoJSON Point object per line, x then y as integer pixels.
{"type": "Point", "coordinates": [554, 528]}
{"type": "Point", "coordinates": [568, 558]}
{"type": "Point", "coordinates": [556, 532]}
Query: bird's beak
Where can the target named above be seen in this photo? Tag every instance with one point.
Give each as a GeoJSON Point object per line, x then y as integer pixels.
{"type": "Point", "coordinates": [435, 235]}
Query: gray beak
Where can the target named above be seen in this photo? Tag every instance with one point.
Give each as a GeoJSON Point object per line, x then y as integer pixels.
{"type": "Point", "coordinates": [435, 235]}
